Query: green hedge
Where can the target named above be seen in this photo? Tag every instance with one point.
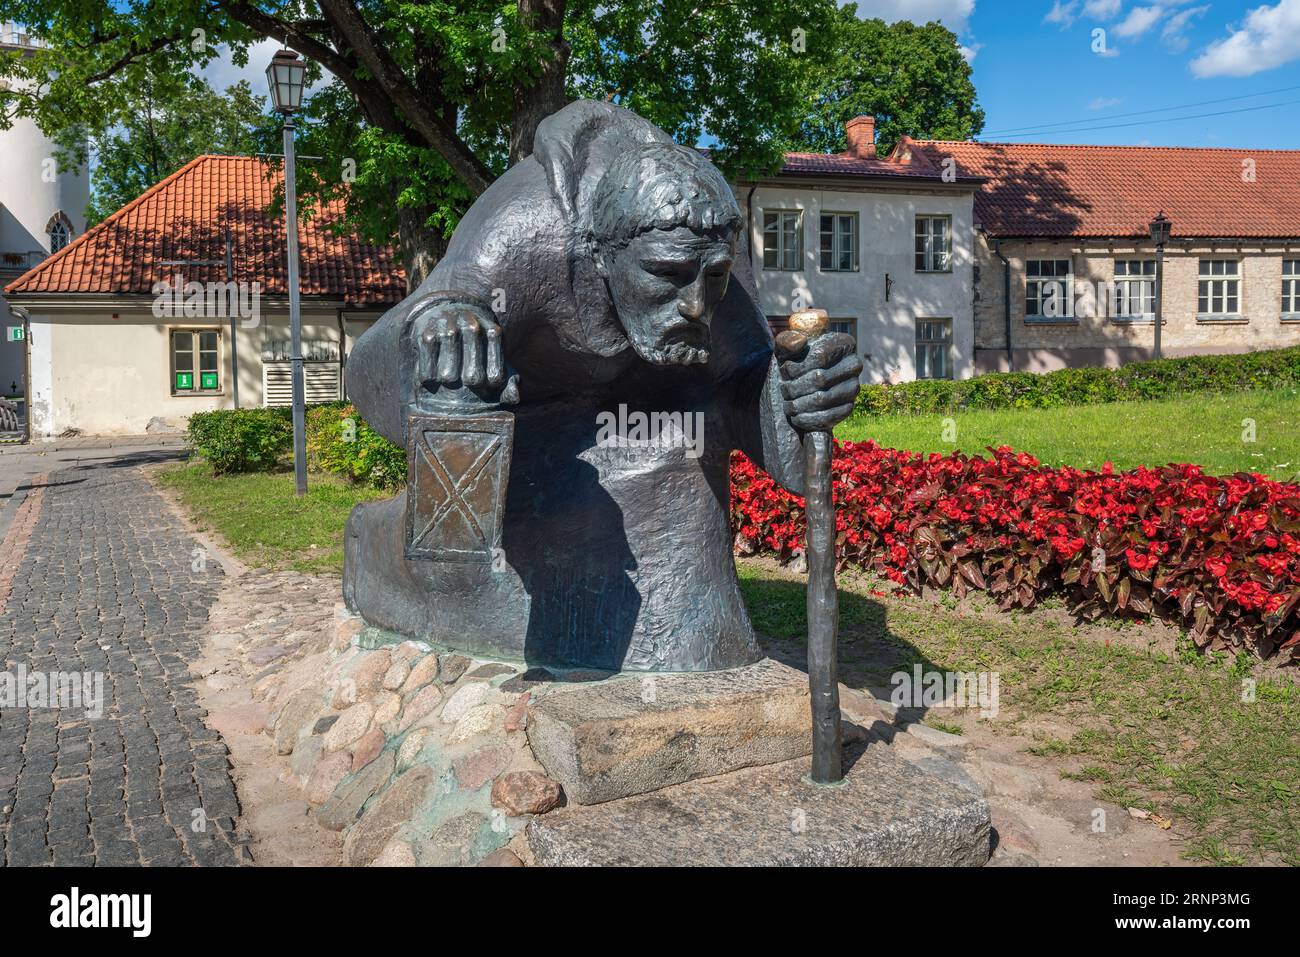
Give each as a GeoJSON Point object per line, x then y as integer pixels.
{"type": "Point", "coordinates": [243, 440]}
{"type": "Point", "coordinates": [340, 441]}
{"type": "Point", "coordinates": [1156, 379]}
{"type": "Point", "coordinates": [260, 440]}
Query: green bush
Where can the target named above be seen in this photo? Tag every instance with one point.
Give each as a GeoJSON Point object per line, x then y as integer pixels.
{"type": "Point", "coordinates": [241, 440]}
{"type": "Point", "coordinates": [340, 441]}
{"type": "Point", "coordinates": [1156, 379]}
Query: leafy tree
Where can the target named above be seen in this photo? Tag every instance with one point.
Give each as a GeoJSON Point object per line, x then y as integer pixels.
{"type": "Point", "coordinates": [164, 127]}
{"type": "Point", "coordinates": [912, 78]}
{"type": "Point", "coordinates": [429, 102]}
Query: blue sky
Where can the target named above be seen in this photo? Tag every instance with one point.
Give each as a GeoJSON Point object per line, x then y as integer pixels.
{"type": "Point", "coordinates": [1039, 64]}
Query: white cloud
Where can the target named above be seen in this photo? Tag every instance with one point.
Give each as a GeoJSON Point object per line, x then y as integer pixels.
{"type": "Point", "coordinates": [1102, 9]}
{"type": "Point", "coordinates": [953, 14]}
{"type": "Point", "coordinates": [221, 72]}
{"type": "Point", "coordinates": [1269, 38]}
{"type": "Point", "coordinates": [1174, 33]}
{"type": "Point", "coordinates": [1063, 13]}
{"type": "Point", "coordinates": [1139, 21]}
{"type": "Point", "coordinates": [1104, 102]}
{"type": "Point", "coordinates": [970, 51]}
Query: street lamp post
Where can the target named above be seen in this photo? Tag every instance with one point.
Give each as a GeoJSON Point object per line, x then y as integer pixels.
{"type": "Point", "coordinates": [285, 76]}
{"type": "Point", "coordinates": [1160, 227]}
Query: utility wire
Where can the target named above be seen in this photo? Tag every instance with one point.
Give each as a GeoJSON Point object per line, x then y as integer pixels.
{"type": "Point", "coordinates": [1167, 119]}
{"type": "Point", "coordinates": [1119, 116]}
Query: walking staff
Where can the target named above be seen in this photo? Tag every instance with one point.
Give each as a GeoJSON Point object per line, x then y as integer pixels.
{"type": "Point", "coordinates": [823, 602]}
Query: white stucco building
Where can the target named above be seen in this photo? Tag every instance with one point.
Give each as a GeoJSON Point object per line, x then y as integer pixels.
{"type": "Point", "coordinates": [886, 246]}
{"type": "Point", "coordinates": [42, 209]}
{"type": "Point", "coordinates": [111, 351]}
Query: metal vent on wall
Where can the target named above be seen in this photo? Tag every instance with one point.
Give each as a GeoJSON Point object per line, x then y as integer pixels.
{"type": "Point", "coordinates": [320, 382]}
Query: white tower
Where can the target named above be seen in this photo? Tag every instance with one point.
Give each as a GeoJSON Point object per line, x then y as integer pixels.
{"type": "Point", "coordinates": [42, 208]}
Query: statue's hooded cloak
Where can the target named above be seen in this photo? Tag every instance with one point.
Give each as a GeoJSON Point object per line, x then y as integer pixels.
{"type": "Point", "coordinates": [615, 558]}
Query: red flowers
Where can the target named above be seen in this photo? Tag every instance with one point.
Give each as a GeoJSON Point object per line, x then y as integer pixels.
{"type": "Point", "coordinates": [1150, 541]}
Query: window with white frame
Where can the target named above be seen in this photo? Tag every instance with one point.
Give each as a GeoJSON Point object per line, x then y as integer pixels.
{"type": "Point", "coordinates": [934, 348]}
{"type": "Point", "coordinates": [1219, 289]}
{"type": "Point", "coordinates": [1048, 286]}
{"type": "Point", "coordinates": [1291, 287]}
{"type": "Point", "coordinates": [933, 243]}
{"type": "Point", "coordinates": [839, 242]}
{"type": "Point", "coordinates": [1135, 288]}
{"type": "Point", "coordinates": [782, 239]}
{"type": "Point", "coordinates": [60, 234]}
{"type": "Point", "coordinates": [195, 361]}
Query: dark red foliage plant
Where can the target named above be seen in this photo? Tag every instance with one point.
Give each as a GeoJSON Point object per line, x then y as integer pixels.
{"type": "Point", "coordinates": [1217, 555]}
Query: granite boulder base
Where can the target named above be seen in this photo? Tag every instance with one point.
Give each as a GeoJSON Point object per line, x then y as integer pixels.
{"type": "Point", "coordinates": [886, 813]}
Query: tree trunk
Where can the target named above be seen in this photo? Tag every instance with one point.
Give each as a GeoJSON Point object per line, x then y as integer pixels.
{"type": "Point", "coordinates": [538, 99]}
{"type": "Point", "coordinates": [422, 246]}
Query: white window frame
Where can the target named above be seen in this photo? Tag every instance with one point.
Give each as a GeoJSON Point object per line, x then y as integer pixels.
{"type": "Point", "coordinates": [929, 346]}
{"type": "Point", "coordinates": [1217, 289]}
{"type": "Point", "coordinates": [1035, 281]}
{"type": "Point", "coordinates": [60, 233]}
{"type": "Point", "coordinates": [196, 352]}
{"type": "Point", "coordinates": [1291, 290]}
{"type": "Point", "coordinates": [1131, 285]}
{"type": "Point", "coordinates": [933, 246]}
{"type": "Point", "coordinates": [784, 256]}
{"type": "Point", "coordinates": [830, 244]}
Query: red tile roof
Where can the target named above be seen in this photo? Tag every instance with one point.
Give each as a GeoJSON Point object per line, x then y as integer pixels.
{"type": "Point", "coordinates": [904, 162]}
{"type": "Point", "coordinates": [1096, 191]}
{"type": "Point", "coordinates": [186, 217]}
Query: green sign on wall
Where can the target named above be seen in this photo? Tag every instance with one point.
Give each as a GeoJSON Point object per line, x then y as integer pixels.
{"type": "Point", "coordinates": [15, 333]}
{"type": "Point", "coordinates": [184, 381]}
{"type": "Point", "coordinates": [207, 380]}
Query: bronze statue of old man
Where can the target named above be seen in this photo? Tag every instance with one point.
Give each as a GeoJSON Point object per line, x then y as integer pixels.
{"type": "Point", "coordinates": [570, 382]}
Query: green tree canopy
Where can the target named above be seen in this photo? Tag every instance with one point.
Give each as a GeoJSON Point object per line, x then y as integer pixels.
{"type": "Point", "coordinates": [165, 127]}
{"type": "Point", "coordinates": [417, 107]}
{"type": "Point", "coordinates": [912, 78]}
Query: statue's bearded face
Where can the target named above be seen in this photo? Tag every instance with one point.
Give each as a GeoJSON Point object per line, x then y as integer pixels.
{"type": "Point", "coordinates": [665, 285]}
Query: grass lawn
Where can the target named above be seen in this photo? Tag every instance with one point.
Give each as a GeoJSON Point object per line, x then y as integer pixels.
{"type": "Point", "coordinates": [1206, 430]}
{"type": "Point", "coordinates": [263, 522]}
{"type": "Point", "coordinates": [1165, 731]}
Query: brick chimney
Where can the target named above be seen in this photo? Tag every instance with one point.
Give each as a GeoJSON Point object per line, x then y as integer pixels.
{"type": "Point", "coordinates": [861, 134]}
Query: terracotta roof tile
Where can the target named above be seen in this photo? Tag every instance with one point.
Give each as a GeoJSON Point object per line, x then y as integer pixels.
{"type": "Point", "coordinates": [186, 217]}
{"type": "Point", "coordinates": [904, 162]}
{"type": "Point", "coordinates": [1095, 191]}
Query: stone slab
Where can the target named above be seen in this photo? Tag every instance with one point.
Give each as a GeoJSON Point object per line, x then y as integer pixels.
{"type": "Point", "coordinates": [634, 734]}
{"type": "Point", "coordinates": [888, 813]}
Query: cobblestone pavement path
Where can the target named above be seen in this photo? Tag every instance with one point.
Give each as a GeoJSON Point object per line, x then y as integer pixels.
{"type": "Point", "coordinates": [102, 580]}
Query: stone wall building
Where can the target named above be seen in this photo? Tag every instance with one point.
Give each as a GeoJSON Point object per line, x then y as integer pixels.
{"type": "Point", "coordinates": [1051, 218]}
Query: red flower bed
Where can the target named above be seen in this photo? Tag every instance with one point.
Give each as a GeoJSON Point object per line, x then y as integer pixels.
{"type": "Point", "coordinates": [1218, 555]}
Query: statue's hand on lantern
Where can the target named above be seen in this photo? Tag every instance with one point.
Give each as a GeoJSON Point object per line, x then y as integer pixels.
{"type": "Point", "coordinates": [819, 378]}
{"type": "Point", "coordinates": [460, 344]}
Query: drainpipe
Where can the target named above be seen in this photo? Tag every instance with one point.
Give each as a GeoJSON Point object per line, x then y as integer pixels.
{"type": "Point", "coordinates": [1006, 299]}
{"type": "Point", "coordinates": [749, 226]}
{"type": "Point", "coordinates": [27, 371]}
{"type": "Point", "coordinates": [343, 355]}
